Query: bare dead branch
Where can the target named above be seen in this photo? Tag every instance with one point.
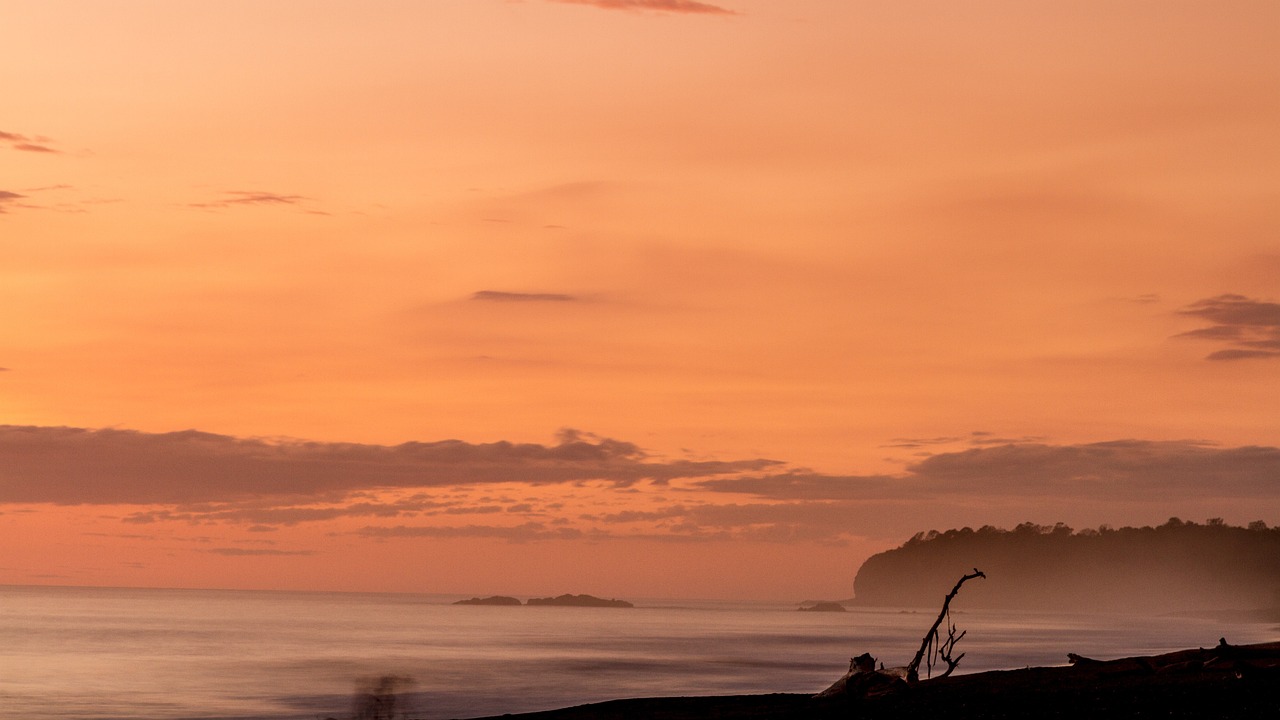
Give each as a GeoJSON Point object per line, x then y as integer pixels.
{"type": "Point", "coordinates": [931, 646]}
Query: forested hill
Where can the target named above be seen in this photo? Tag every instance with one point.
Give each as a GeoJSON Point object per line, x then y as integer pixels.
{"type": "Point", "coordinates": [1176, 567]}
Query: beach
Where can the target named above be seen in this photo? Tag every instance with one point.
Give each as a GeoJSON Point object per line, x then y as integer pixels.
{"type": "Point", "coordinates": [1240, 683]}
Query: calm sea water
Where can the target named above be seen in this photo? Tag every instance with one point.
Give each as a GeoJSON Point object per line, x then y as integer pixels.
{"type": "Point", "coordinates": [79, 653]}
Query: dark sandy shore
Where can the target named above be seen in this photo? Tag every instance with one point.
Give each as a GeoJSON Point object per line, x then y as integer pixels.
{"type": "Point", "coordinates": [1216, 683]}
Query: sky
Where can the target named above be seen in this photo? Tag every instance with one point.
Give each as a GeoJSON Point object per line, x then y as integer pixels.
{"type": "Point", "coordinates": [636, 298]}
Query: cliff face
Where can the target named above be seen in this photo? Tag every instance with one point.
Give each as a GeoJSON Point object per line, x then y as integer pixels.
{"type": "Point", "coordinates": [1172, 568]}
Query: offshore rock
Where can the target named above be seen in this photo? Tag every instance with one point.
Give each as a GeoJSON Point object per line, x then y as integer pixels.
{"type": "Point", "coordinates": [579, 601]}
{"type": "Point", "coordinates": [493, 600]}
{"type": "Point", "coordinates": [824, 607]}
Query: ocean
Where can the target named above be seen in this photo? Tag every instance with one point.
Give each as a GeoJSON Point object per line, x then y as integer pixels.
{"type": "Point", "coordinates": [82, 653]}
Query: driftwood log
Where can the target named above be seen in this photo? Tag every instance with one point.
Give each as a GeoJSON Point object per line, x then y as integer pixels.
{"type": "Point", "coordinates": [1243, 661]}
{"type": "Point", "coordinates": [864, 680]}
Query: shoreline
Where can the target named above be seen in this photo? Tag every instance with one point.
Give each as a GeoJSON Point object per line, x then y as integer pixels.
{"type": "Point", "coordinates": [1225, 682]}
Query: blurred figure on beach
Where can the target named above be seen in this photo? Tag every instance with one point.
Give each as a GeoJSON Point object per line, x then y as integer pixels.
{"type": "Point", "coordinates": [378, 698]}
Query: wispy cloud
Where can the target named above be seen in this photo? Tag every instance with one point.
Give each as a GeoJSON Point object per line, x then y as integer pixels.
{"type": "Point", "coordinates": [1249, 328]}
{"type": "Point", "coordinates": [241, 198]}
{"type": "Point", "coordinates": [24, 143]}
{"type": "Point", "coordinates": [975, 438]}
{"type": "Point", "coordinates": [501, 296]}
{"type": "Point", "coordinates": [9, 199]}
{"type": "Point", "coordinates": [905, 443]}
{"type": "Point", "coordinates": [256, 552]}
{"type": "Point", "coordinates": [275, 514]}
{"type": "Point", "coordinates": [527, 532]}
{"type": "Point", "coordinates": [671, 6]}
{"type": "Point", "coordinates": [53, 198]}
{"type": "Point", "coordinates": [32, 147]}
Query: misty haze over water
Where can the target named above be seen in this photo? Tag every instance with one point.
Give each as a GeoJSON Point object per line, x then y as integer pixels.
{"type": "Point", "coordinates": [81, 653]}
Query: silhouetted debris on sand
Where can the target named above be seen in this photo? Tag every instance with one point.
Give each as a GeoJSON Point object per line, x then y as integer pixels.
{"type": "Point", "coordinates": [1225, 682]}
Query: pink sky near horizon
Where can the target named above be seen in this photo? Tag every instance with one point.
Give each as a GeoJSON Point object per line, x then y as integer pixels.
{"type": "Point", "coordinates": [804, 278]}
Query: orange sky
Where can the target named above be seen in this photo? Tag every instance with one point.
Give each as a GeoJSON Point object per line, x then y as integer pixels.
{"type": "Point", "coordinates": [710, 298]}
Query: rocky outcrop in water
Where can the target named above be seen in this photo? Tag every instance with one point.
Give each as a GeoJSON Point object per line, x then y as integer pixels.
{"type": "Point", "coordinates": [579, 601]}
{"type": "Point", "coordinates": [493, 600]}
{"type": "Point", "coordinates": [823, 607]}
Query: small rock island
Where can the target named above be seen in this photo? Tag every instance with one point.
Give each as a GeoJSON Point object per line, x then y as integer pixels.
{"type": "Point", "coordinates": [824, 607]}
{"type": "Point", "coordinates": [493, 600]}
{"type": "Point", "coordinates": [579, 601]}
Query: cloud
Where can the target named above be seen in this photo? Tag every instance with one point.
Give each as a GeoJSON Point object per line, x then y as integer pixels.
{"type": "Point", "coordinates": [237, 198]}
{"type": "Point", "coordinates": [434, 489]}
{"type": "Point", "coordinates": [914, 443]}
{"type": "Point", "coordinates": [673, 6]}
{"type": "Point", "coordinates": [812, 486]}
{"type": "Point", "coordinates": [528, 532]}
{"type": "Point", "coordinates": [1235, 310]}
{"type": "Point", "coordinates": [1115, 470]}
{"type": "Point", "coordinates": [1241, 354]}
{"type": "Point", "coordinates": [25, 199]}
{"type": "Point", "coordinates": [46, 188]}
{"type": "Point", "coordinates": [26, 143]}
{"type": "Point", "coordinates": [8, 198]}
{"type": "Point", "coordinates": [255, 552]}
{"type": "Point", "coordinates": [1120, 469]}
{"type": "Point", "coordinates": [274, 515]}
{"type": "Point", "coordinates": [1009, 483]}
{"type": "Point", "coordinates": [499, 296]}
{"type": "Point", "coordinates": [1250, 328]}
{"type": "Point", "coordinates": [977, 437]}
{"type": "Point", "coordinates": [65, 465]}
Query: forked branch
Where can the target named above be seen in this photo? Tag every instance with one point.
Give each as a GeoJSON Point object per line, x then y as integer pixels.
{"type": "Point", "coordinates": [932, 646]}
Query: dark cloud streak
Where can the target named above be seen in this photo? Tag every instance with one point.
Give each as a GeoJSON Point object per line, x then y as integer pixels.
{"type": "Point", "coordinates": [670, 6]}
{"type": "Point", "coordinates": [1250, 327]}
{"type": "Point", "coordinates": [8, 198]}
{"type": "Point", "coordinates": [31, 147]}
{"type": "Point", "coordinates": [27, 143]}
{"type": "Point", "coordinates": [257, 552]}
{"type": "Point", "coordinates": [528, 532]}
{"type": "Point", "coordinates": [238, 198]}
{"type": "Point", "coordinates": [501, 296]}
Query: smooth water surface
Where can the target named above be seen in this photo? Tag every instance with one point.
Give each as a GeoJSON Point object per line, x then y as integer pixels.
{"type": "Point", "coordinates": [79, 653]}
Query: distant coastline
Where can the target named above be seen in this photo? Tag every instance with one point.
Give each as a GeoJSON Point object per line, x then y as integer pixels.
{"type": "Point", "coordinates": [1210, 570]}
